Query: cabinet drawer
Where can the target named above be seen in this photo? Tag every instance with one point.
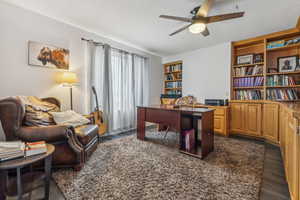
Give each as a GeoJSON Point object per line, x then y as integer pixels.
{"type": "Point", "coordinates": [219, 111]}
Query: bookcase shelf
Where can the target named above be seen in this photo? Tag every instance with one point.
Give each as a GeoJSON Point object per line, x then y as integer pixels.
{"type": "Point", "coordinates": [256, 75]}
{"type": "Point", "coordinates": [284, 86]}
{"type": "Point", "coordinates": [266, 60]}
{"type": "Point", "coordinates": [248, 65]}
{"type": "Point", "coordinates": [173, 78]}
{"type": "Point", "coordinates": [248, 88]}
{"type": "Point", "coordinates": [283, 73]}
{"type": "Point", "coordinates": [285, 47]}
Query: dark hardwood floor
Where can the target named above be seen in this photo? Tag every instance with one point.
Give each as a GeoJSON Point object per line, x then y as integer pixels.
{"type": "Point", "coordinates": [274, 185]}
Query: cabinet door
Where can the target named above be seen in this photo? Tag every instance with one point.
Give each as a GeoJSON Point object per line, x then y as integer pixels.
{"type": "Point", "coordinates": [237, 117]}
{"type": "Point", "coordinates": [292, 158]}
{"type": "Point", "coordinates": [253, 119]}
{"type": "Point", "coordinates": [270, 122]}
{"type": "Point", "coordinates": [219, 124]}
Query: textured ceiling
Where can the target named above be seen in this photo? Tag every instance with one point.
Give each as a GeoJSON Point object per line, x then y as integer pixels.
{"type": "Point", "coordinates": [136, 21]}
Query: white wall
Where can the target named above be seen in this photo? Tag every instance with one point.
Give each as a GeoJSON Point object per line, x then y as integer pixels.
{"type": "Point", "coordinates": [18, 26]}
{"type": "Point", "coordinates": [206, 71]}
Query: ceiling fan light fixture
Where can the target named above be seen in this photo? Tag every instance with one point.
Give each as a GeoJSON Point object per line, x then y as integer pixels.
{"type": "Point", "coordinates": [197, 28]}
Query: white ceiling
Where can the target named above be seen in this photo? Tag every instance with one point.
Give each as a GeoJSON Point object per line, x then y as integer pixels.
{"type": "Point", "coordinates": [137, 22]}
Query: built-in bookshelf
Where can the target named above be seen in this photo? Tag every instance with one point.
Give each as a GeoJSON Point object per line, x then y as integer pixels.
{"type": "Point", "coordinates": [267, 67]}
{"type": "Point", "coordinates": [173, 78]}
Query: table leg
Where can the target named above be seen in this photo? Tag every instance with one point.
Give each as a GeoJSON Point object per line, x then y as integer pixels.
{"type": "Point", "coordinates": [3, 177]}
{"type": "Point", "coordinates": [19, 183]}
{"type": "Point", "coordinates": [141, 123]}
{"type": "Point", "coordinates": [48, 162]}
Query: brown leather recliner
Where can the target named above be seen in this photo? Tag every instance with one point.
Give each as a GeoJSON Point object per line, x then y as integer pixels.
{"type": "Point", "coordinates": [72, 146]}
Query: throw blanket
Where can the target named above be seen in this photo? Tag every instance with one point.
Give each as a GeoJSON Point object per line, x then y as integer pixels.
{"type": "Point", "coordinates": [37, 111]}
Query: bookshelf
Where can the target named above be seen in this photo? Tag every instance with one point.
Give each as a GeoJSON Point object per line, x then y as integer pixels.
{"type": "Point", "coordinates": [261, 76]}
{"type": "Point", "coordinates": [173, 78]}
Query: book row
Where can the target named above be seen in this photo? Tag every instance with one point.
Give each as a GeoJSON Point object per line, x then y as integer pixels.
{"type": "Point", "coordinates": [175, 84]}
{"type": "Point", "coordinates": [249, 95]}
{"type": "Point", "coordinates": [248, 82]}
{"type": "Point", "coordinates": [173, 68]}
{"type": "Point", "coordinates": [280, 80]}
{"type": "Point", "coordinates": [174, 92]}
{"type": "Point", "coordinates": [170, 77]}
{"type": "Point", "coordinates": [243, 71]}
{"type": "Point", "coordinates": [282, 94]}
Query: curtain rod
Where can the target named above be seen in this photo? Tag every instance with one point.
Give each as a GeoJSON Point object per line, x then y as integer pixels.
{"type": "Point", "coordinates": [102, 44]}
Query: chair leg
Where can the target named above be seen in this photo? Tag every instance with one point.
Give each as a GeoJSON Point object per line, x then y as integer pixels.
{"type": "Point", "coordinates": [167, 131]}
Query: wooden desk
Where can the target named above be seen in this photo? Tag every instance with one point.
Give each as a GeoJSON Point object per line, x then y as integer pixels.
{"type": "Point", "coordinates": [181, 119]}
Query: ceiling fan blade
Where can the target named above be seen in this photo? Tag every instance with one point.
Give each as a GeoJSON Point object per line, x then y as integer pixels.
{"type": "Point", "coordinates": [218, 18]}
{"type": "Point", "coordinates": [205, 7]}
{"type": "Point", "coordinates": [205, 32]}
{"type": "Point", "coordinates": [182, 19]}
{"type": "Point", "coordinates": [179, 30]}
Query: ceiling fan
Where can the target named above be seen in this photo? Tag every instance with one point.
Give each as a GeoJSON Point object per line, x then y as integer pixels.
{"type": "Point", "coordinates": [197, 24]}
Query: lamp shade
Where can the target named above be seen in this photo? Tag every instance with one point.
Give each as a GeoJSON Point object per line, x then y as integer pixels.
{"type": "Point", "coordinates": [68, 78]}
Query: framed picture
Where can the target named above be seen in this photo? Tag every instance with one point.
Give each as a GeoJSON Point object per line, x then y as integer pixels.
{"type": "Point", "coordinates": [44, 55]}
{"type": "Point", "coordinates": [258, 58]}
{"type": "Point", "coordinates": [246, 59]}
{"type": "Point", "coordinates": [287, 64]}
{"type": "Point", "coordinates": [298, 66]}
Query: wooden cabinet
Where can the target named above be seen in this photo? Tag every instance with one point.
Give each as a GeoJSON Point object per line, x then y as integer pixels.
{"type": "Point", "coordinates": [219, 124]}
{"type": "Point", "coordinates": [237, 117]}
{"type": "Point", "coordinates": [245, 119]}
{"type": "Point", "coordinates": [270, 122]}
{"type": "Point", "coordinates": [253, 119]}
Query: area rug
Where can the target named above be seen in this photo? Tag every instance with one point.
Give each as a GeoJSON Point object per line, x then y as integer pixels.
{"type": "Point", "coordinates": [129, 169]}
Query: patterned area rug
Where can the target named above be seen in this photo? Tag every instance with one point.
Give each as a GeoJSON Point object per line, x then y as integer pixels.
{"type": "Point", "coordinates": [129, 169]}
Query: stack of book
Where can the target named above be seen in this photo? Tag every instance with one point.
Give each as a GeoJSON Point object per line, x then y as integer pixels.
{"type": "Point", "coordinates": [174, 92]}
{"type": "Point", "coordinates": [174, 68]}
{"type": "Point", "coordinates": [243, 71]}
{"type": "Point", "coordinates": [280, 80]}
{"type": "Point", "coordinates": [282, 94]}
{"type": "Point", "coordinates": [249, 95]}
{"type": "Point", "coordinates": [175, 84]}
{"type": "Point", "coordinates": [276, 44]}
{"type": "Point", "coordinates": [11, 150]}
{"type": "Point", "coordinates": [35, 148]}
{"type": "Point", "coordinates": [248, 82]}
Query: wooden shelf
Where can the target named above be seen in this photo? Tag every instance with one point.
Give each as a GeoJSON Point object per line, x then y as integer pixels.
{"type": "Point", "coordinates": [248, 88]}
{"type": "Point", "coordinates": [180, 71]}
{"type": "Point", "coordinates": [173, 80]}
{"type": "Point", "coordinates": [173, 88]}
{"type": "Point", "coordinates": [283, 100]}
{"type": "Point", "coordinates": [245, 76]}
{"type": "Point", "coordinates": [286, 86]}
{"type": "Point", "coordinates": [285, 47]}
{"type": "Point", "coordinates": [249, 65]}
{"type": "Point", "coordinates": [283, 73]}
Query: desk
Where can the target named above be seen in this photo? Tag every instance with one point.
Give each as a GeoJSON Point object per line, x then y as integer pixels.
{"type": "Point", "coordinates": [181, 119]}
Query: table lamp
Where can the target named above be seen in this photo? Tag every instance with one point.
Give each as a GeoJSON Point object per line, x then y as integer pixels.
{"type": "Point", "coordinates": [69, 79]}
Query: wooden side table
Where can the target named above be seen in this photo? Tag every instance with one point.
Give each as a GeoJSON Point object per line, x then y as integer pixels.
{"type": "Point", "coordinates": [23, 182]}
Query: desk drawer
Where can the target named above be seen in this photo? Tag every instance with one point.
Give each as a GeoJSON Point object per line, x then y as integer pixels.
{"type": "Point", "coordinates": [162, 116]}
{"type": "Point", "coordinates": [219, 111]}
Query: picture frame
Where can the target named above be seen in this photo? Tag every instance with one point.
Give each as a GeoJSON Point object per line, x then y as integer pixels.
{"type": "Point", "coordinates": [245, 59]}
{"type": "Point", "coordinates": [287, 63]}
{"type": "Point", "coordinates": [298, 66]}
{"type": "Point", "coordinates": [258, 58]}
{"type": "Point", "coordinates": [48, 56]}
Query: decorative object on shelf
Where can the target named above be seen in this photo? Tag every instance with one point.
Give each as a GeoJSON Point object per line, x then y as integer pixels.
{"type": "Point", "coordinates": [276, 44]}
{"type": "Point", "coordinates": [287, 64]}
{"type": "Point", "coordinates": [272, 70]}
{"type": "Point", "coordinates": [44, 55]}
{"type": "Point", "coordinates": [258, 58]}
{"type": "Point", "coordinates": [69, 79]}
{"type": "Point", "coordinates": [245, 59]}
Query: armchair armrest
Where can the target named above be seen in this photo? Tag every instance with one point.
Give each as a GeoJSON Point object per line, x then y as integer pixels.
{"type": "Point", "coordinates": [53, 133]}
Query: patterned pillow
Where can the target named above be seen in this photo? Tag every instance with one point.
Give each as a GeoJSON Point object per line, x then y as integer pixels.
{"type": "Point", "coordinates": [187, 100]}
{"type": "Point", "coordinates": [37, 111]}
{"type": "Point", "coordinates": [69, 118]}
